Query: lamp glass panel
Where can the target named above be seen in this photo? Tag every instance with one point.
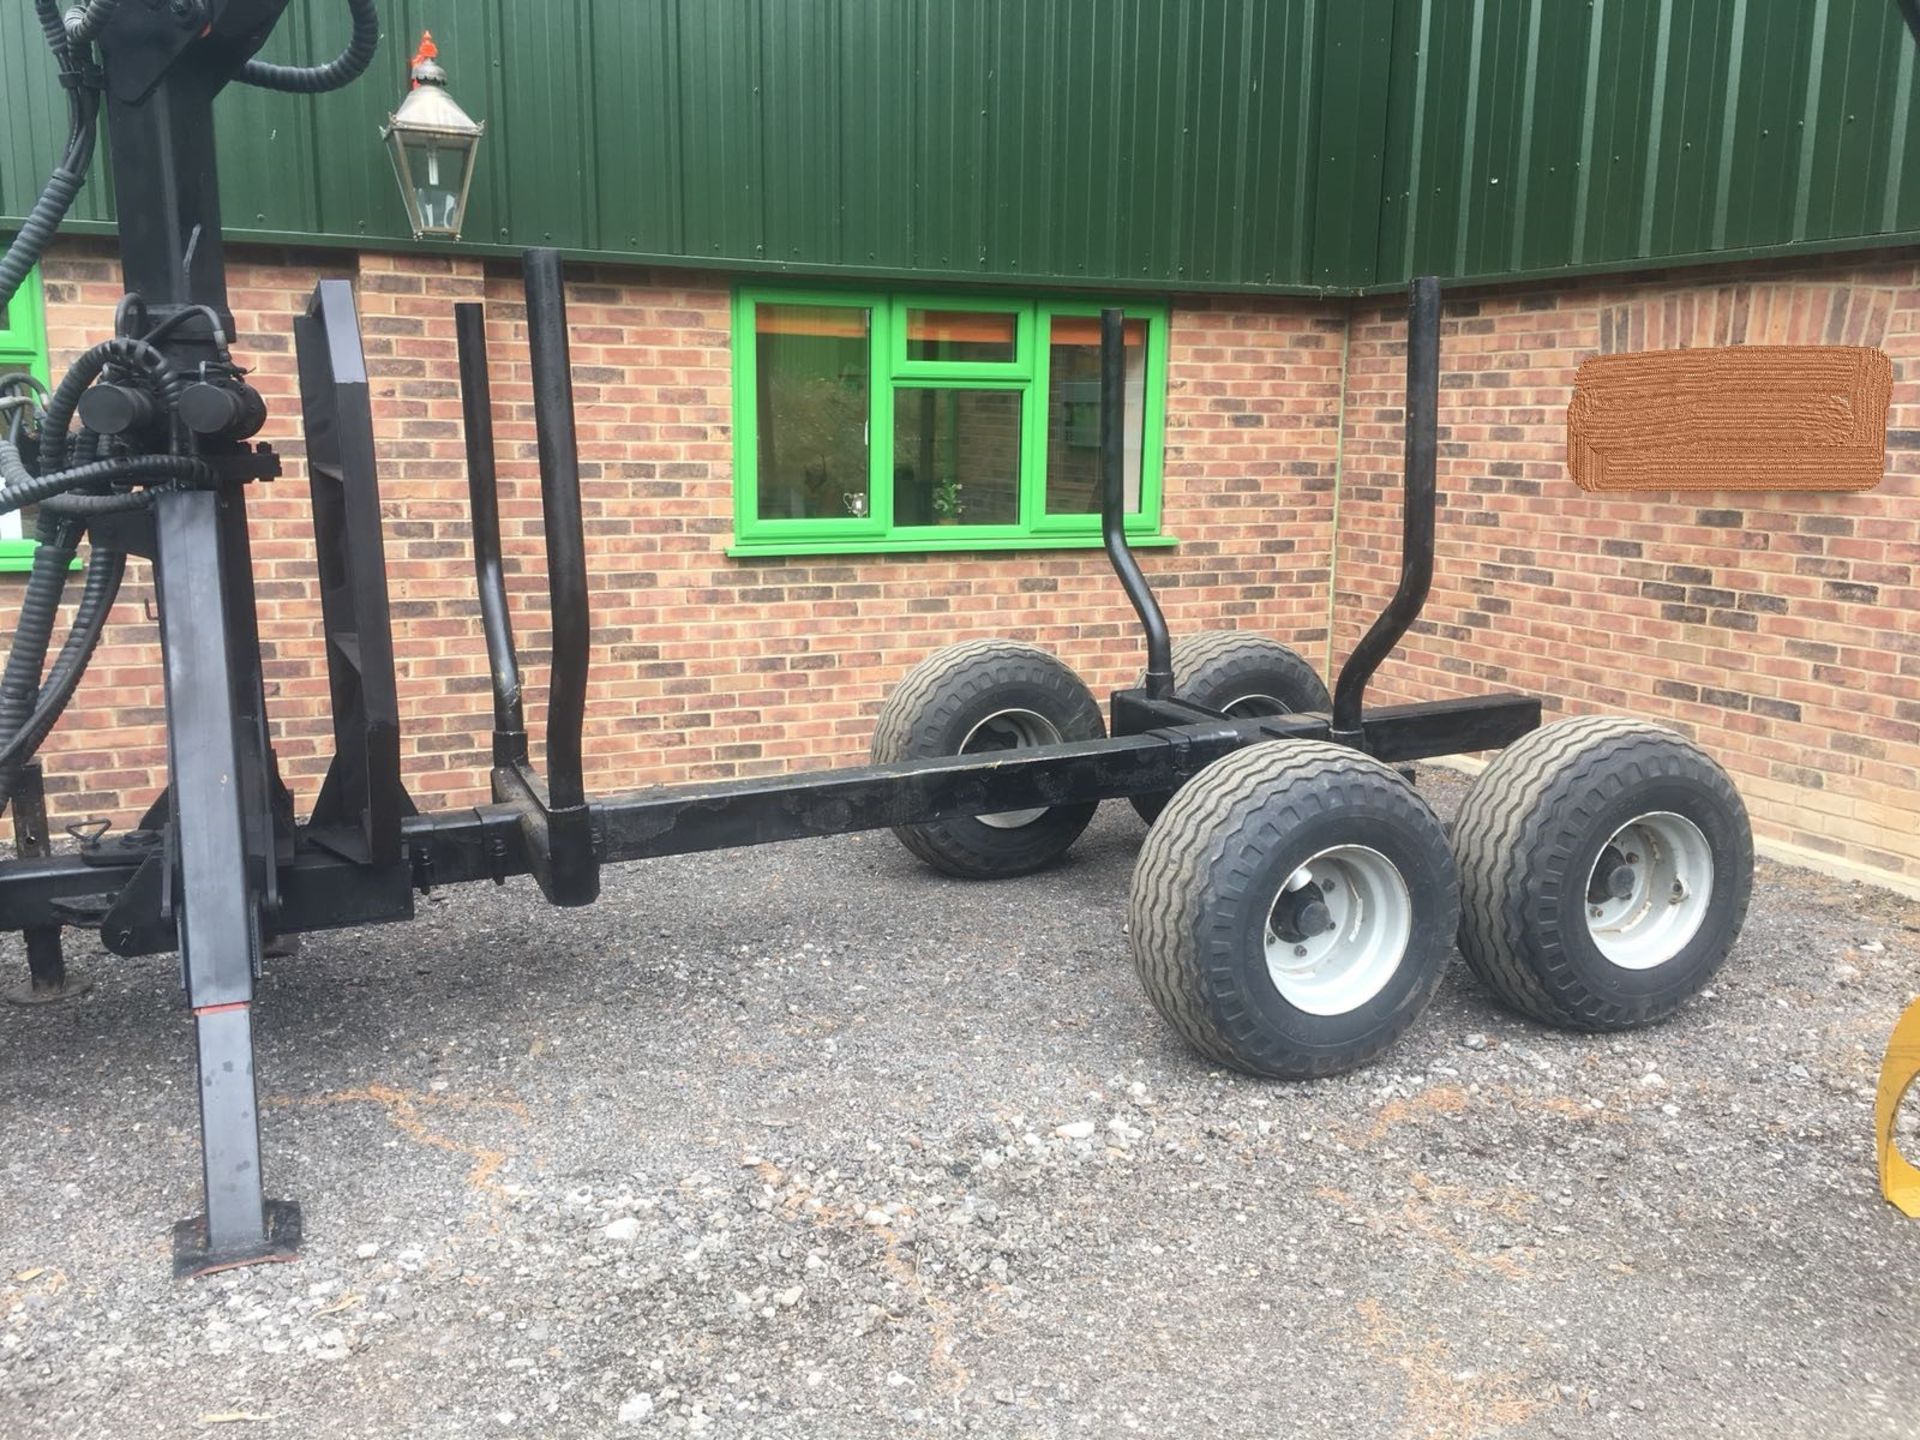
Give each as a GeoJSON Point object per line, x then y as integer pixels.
{"type": "Point", "coordinates": [436, 181]}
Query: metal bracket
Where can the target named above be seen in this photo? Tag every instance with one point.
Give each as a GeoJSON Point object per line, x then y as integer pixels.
{"type": "Point", "coordinates": [362, 799]}
{"type": "Point", "coordinates": [422, 868]}
{"type": "Point", "coordinates": [140, 921]}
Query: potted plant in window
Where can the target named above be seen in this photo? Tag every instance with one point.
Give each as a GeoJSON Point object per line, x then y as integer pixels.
{"type": "Point", "coordinates": [947, 505]}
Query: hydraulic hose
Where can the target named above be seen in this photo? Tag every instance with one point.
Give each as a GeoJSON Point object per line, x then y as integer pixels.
{"type": "Point", "coordinates": [105, 568]}
{"type": "Point", "coordinates": [117, 503]}
{"type": "Point", "coordinates": [21, 385]}
{"type": "Point", "coordinates": [83, 22]}
{"type": "Point", "coordinates": [29, 709]}
{"type": "Point", "coordinates": [53, 27]}
{"type": "Point", "coordinates": [122, 350]}
{"type": "Point", "coordinates": [72, 486]}
{"type": "Point", "coordinates": [68, 496]}
{"type": "Point", "coordinates": [45, 217]}
{"type": "Point", "coordinates": [85, 446]}
{"type": "Point", "coordinates": [347, 66]}
{"type": "Point", "coordinates": [83, 108]}
{"type": "Point", "coordinates": [110, 504]}
{"type": "Point", "coordinates": [33, 631]}
{"type": "Point", "coordinates": [23, 488]}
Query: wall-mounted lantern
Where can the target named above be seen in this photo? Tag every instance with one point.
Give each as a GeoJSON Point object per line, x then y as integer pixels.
{"type": "Point", "coordinates": [433, 142]}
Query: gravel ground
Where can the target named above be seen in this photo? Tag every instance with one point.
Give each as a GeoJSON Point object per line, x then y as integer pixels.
{"type": "Point", "coordinates": [808, 1141]}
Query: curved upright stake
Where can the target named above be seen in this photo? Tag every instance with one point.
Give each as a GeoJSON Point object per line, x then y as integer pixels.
{"type": "Point", "coordinates": [1416, 512]}
{"type": "Point", "coordinates": [1158, 681]}
{"type": "Point", "coordinates": [476, 404]}
{"type": "Point", "coordinates": [566, 540]}
{"type": "Point", "coordinates": [557, 823]}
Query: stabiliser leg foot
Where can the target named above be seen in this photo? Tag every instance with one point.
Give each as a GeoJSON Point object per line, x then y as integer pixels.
{"type": "Point", "coordinates": [48, 982]}
{"type": "Point", "coordinates": [193, 1256]}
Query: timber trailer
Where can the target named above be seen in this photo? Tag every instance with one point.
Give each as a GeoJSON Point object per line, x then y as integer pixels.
{"type": "Point", "coordinates": [1293, 903]}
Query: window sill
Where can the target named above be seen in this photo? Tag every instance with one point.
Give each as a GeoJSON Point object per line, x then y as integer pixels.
{"type": "Point", "coordinates": [937, 545]}
{"type": "Point", "coordinates": [16, 557]}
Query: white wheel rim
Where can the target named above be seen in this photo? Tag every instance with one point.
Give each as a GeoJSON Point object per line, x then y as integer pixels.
{"type": "Point", "coordinates": [1369, 921]}
{"type": "Point", "coordinates": [1010, 730]}
{"type": "Point", "coordinates": [1249, 707]}
{"type": "Point", "coordinates": [1649, 890]}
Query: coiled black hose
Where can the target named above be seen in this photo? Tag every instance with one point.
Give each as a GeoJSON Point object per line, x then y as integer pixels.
{"type": "Point", "coordinates": [23, 488]}
{"type": "Point", "coordinates": [83, 109]}
{"type": "Point", "coordinates": [52, 27]}
{"type": "Point", "coordinates": [43, 220]}
{"type": "Point", "coordinates": [122, 350]}
{"type": "Point", "coordinates": [347, 66]}
{"type": "Point", "coordinates": [105, 569]}
{"type": "Point", "coordinates": [85, 445]}
{"type": "Point", "coordinates": [40, 602]}
{"type": "Point", "coordinates": [118, 503]}
{"type": "Point", "coordinates": [83, 22]}
{"type": "Point", "coordinates": [70, 493]}
{"type": "Point", "coordinates": [28, 708]}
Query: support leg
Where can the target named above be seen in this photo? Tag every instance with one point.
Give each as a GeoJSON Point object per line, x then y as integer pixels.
{"type": "Point", "coordinates": [209, 728]}
{"type": "Point", "coordinates": [47, 978]}
{"type": "Point", "coordinates": [240, 1226]}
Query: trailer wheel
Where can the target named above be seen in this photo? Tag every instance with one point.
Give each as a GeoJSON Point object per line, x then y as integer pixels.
{"type": "Point", "coordinates": [1292, 909]}
{"type": "Point", "coordinates": [1239, 674]}
{"type": "Point", "coordinates": [1605, 868]}
{"type": "Point", "coordinates": [974, 698]}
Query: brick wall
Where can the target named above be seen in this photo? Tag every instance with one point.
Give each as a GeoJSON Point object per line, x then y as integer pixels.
{"type": "Point", "coordinates": [704, 667]}
{"type": "Point", "coordinates": [1780, 630]}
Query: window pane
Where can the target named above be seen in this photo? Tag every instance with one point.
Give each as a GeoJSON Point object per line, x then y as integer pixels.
{"type": "Point", "coordinates": [956, 456]}
{"type": "Point", "coordinates": [19, 524]}
{"type": "Point", "coordinates": [1073, 413]}
{"type": "Point", "coordinates": [813, 384]}
{"type": "Point", "coordinates": [960, 335]}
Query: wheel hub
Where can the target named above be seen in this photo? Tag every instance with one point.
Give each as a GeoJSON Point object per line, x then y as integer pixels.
{"type": "Point", "coordinates": [1010, 730]}
{"type": "Point", "coordinates": [1649, 890]}
{"type": "Point", "coordinates": [1337, 930]}
{"type": "Point", "coordinates": [1614, 876]}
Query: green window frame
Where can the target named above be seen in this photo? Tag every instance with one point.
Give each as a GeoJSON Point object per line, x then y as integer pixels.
{"type": "Point", "coordinates": [891, 373]}
{"type": "Point", "coordinates": [23, 346]}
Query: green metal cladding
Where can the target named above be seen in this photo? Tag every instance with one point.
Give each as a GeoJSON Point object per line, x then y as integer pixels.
{"type": "Point", "coordinates": [1168, 144]}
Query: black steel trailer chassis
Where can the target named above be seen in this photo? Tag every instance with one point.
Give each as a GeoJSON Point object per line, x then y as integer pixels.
{"type": "Point", "coordinates": [219, 866]}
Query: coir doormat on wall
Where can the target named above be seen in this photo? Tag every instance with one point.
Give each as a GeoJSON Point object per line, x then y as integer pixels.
{"type": "Point", "coordinates": [1746, 417]}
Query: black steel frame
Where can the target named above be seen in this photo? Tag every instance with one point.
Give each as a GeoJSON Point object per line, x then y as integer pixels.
{"type": "Point", "coordinates": [218, 863]}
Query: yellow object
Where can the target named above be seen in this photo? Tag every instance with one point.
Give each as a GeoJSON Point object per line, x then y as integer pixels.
{"type": "Point", "coordinates": [1899, 1177]}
